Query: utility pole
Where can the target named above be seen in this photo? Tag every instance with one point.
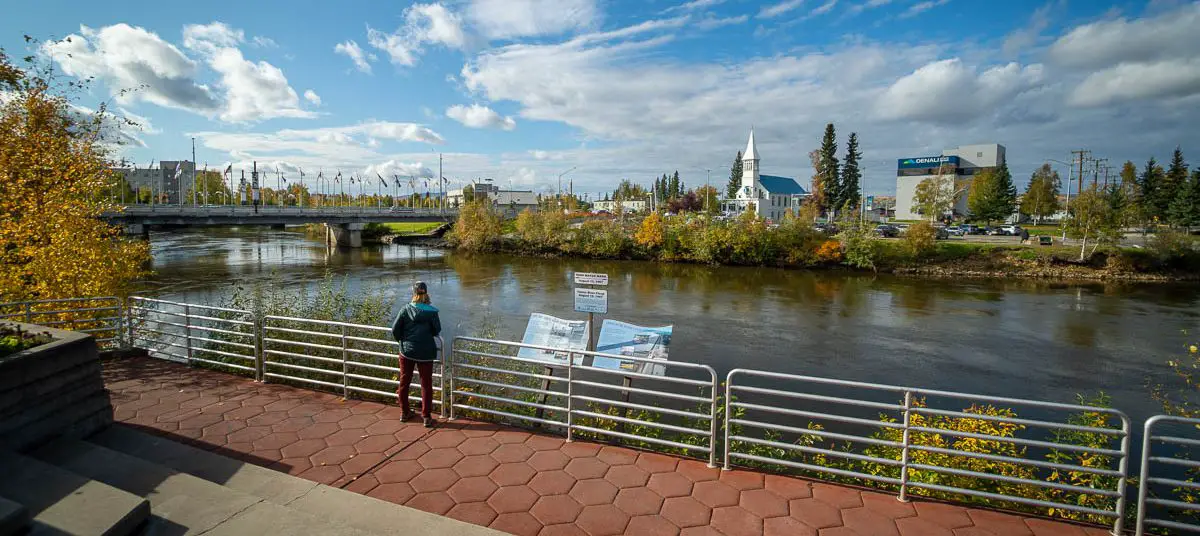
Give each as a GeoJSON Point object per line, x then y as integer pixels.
{"type": "Point", "coordinates": [1081, 154]}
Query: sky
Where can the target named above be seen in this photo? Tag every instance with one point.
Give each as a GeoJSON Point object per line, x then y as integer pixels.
{"type": "Point", "coordinates": [596, 91]}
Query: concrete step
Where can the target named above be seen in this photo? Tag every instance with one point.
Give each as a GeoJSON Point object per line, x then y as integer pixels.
{"type": "Point", "coordinates": [64, 502]}
{"type": "Point", "coordinates": [181, 503]}
{"type": "Point", "coordinates": [334, 505]}
{"type": "Point", "coordinates": [14, 517]}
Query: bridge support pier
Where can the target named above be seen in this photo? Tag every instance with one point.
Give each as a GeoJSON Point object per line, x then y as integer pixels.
{"type": "Point", "coordinates": [138, 229]}
{"type": "Point", "coordinates": [346, 235]}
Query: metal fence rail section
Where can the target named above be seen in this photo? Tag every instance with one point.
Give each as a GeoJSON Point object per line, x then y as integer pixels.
{"type": "Point", "coordinates": [339, 356]}
{"type": "Point", "coordinates": [669, 410]}
{"type": "Point", "coordinates": [919, 440]}
{"type": "Point", "coordinates": [193, 333]}
{"type": "Point", "coordinates": [99, 316]}
{"type": "Point", "coordinates": [1172, 503]}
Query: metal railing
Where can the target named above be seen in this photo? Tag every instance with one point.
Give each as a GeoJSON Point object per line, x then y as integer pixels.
{"type": "Point", "coordinates": [340, 356]}
{"type": "Point", "coordinates": [100, 317]}
{"type": "Point", "coordinates": [1172, 503]}
{"type": "Point", "coordinates": [668, 410]}
{"type": "Point", "coordinates": [193, 333]}
{"type": "Point", "coordinates": [917, 440]}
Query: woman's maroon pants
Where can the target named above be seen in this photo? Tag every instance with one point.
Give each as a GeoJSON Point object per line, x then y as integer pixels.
{"type": "Point", "coordinates": [425, 368]}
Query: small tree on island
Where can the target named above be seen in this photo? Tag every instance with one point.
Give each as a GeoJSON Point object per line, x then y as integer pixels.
{"type": "Point", "coordinates": [1092, 217]}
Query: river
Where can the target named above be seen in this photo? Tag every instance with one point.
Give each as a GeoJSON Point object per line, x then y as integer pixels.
{"type": "Point", "coordinates": [1027, 339]}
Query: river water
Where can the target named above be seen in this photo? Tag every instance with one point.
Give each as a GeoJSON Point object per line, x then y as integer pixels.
{"type": "Point", "coordinates": [1027, 339]}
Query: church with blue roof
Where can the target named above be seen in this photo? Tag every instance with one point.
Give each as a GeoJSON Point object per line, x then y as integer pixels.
{"type": "Point", "coordinates": [769, 196]}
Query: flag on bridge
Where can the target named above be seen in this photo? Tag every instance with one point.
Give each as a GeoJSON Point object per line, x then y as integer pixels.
{"type": "Point", "coordinates": [385, 184]}
{"type": "Point", "coordinates": [178, 168]}
{"type": "Point", "coordinates": [229, 169]}
{"type": "Point", "coordinates": [338, 178]}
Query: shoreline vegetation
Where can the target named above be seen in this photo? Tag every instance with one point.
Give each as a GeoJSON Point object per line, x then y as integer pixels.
{"type": "Point", "coordinates": [748, 241]}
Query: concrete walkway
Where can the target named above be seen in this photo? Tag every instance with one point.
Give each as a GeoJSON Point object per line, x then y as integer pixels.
{"type": "Point", "coordinates": [510, 479]}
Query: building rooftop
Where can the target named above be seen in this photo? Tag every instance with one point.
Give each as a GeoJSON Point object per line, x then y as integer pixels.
{"type": "Point", "coordinates": [781, 185]}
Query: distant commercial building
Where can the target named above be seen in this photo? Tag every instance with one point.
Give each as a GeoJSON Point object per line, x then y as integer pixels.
{"type": "Point", "coordinates": [163, 180]}
{"type": "Point", "coordinates": [510, 201]}
{"type": "Point", "coordinates": [769, 196]}
{"type": "Point", "coordinates": [959, 165]}
{"type": "Point", "coordinates": [632, 205]}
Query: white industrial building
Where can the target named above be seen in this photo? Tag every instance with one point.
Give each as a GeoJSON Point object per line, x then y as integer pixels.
{"type": "Point", "coordinates": [769, 196]}
{"type": "Point", "coordinates": [163, 180]}
{"type": "Point", "coordinates": [613, 207]}
{"type": "Point", "coordinates": [510, 201]}
{"type": "Point", "coordinates": [959, 165]}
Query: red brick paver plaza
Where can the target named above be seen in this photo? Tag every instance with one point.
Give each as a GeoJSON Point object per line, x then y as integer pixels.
{"type": "Point", "coordinates": [514, 480]}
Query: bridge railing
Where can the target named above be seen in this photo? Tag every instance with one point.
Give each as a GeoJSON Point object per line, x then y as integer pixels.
{"type": "Point", "coordinates": [239, 210]}
{"type": "Point", "coordinates": [1169, 493]}
{"type": "Point", "coordinates": [1069, 459]}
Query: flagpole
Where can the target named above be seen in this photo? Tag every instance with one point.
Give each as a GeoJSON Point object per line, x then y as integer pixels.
{"type": "Point", "coordinates": [193, 172]}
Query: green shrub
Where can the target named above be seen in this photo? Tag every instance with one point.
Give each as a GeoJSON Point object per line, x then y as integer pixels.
{"type": "Point", "coordinates": [920, 240]}
{"type": "Point", "coordinates": [861, 247]}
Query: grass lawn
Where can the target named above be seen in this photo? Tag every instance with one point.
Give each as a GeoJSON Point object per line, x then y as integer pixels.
{"type": "Point", "coordinates": [409, 227]}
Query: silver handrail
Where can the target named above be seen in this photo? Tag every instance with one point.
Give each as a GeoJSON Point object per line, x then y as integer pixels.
{"type": "Point", "coordinates": [221, 336]}
{"type": "Point", "coordinates": [99, 316]}
{"type": "Point", "coordinates": [904, 420]}
{"type": "Point", "coordinates": [1174, 486]}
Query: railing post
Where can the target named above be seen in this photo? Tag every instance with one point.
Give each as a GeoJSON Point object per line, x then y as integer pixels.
{"type": "Point", "coordinates": [28, 313]}
{"type": "Point", "coordinates": [903, 497]}
{"type": "Point", "coordinates": [187, 331]}
{"type": "Point", "coordinates": [712, 422]}
{"type": "Point", "coordinates": [346, 380]}
{"type": "Point", "coordinates": [570, 393]}
{"type": "Point", "coordinates": [445, 372]}
{"type": "Point", "coordinates": [448, 375]}
{"type": "Point", "coordinates": [258, 324]}
{"type": "Point", "coordinates": [728, 410]}
{"type": "Point", "coordinates": [1123, 467]}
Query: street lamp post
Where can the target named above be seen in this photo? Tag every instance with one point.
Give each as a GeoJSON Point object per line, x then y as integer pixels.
{"type": "Point", "coordinates": [560, 176]}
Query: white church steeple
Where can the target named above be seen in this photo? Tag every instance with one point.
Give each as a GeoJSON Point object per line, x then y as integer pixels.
{"type": "Point", "coordinates": [749, 189]}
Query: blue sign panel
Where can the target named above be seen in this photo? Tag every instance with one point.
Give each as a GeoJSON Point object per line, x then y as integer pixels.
{"type": "Point", "coordinates": [927, 161]}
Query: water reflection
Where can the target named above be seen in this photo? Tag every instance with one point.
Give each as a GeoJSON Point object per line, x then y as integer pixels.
{"type": "Point", "coordinates": [1023, 338]}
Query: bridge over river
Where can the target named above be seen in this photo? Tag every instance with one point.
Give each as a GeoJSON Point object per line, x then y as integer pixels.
{"type": "Point", "coordinates": [344, 224]}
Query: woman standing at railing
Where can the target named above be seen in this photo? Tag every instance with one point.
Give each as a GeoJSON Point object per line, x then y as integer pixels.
{"type": "Point", "coordinates": [416, 328]}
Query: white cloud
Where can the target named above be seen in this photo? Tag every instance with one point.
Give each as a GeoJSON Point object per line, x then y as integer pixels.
{"type": "Point", "coordinates": [311, 96]}
{"type": "Point", "coordinates": [509, 19]}
{"type": "Point", "coordinates": [921, 7]}
{"type": "Point", "coordinates": [1111, 42]}
{"type": "Point", "coordinates": [694, 5]}
{"type": "Point", "coordinates": [253, 91]}
{"type": "Point", "coordinates": [330, 144]}
{"type": "Point", "coordinates": [479, 116]}
{"type": "Point", "coordinates": [950, 91]}
{"type": "Point", "coordinates": [869, 4]}
{"type": "Point", "coordinates": [264, 42]}
{"type": "Point", "coordinates": [355, 53]}
{"type": "Point", "coordinates": [393, 168]}
{"type": "Point", "coordinates": [423, 24]}
{"type": "Point", "coordinates": [775, 10]}
{"type": "Point", "coordinates": [135, 64]}
{"type": "Point", "coordinates": [1133, 81]}
{"type": "Point", "coordinates": [1023, 38]}
{"type": "Point", "coordinates": [823, 8]}
{"type": "Point", "coordinates": [710, 22]}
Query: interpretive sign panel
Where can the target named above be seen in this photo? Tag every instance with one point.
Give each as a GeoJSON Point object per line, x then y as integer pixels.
{"type": "Point", "coordinates": [563, 335]}
{"type": "Point", "coordinates": [625, 339]}
{"type": "Point", "coordinates": [591, 301]}
{"type": "Point", "coordinates": [589, 278]}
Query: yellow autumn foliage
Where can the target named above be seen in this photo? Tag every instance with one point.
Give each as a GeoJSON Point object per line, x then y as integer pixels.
{"type": "Point", "coordinates": [650, 233]}
{"type": "Point", "coordinates": [55, 173]}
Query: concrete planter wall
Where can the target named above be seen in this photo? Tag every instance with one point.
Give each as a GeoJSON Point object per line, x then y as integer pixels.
{"type": "Point", "coordinates": [51, 391]}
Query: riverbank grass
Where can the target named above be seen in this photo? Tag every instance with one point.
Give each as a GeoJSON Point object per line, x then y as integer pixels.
{"type": "Point", "coordinates": [408, 227]}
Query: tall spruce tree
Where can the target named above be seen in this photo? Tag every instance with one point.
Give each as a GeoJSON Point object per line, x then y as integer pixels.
{"type": "Point", "coordinates": [676, 193]}
{"type": "Point", "coordinates": [1040, 199]}
{"type": "Point", "coordinates": [1174, 186]}
{"type": "Point", "coordinates": [851, 174]}
{"type": "Point", "coordinates": [1007, 203]}
{"type": "Point", "coordinates": [828, 169]}
{"type": "Point", "coordinates": [1150, 185]}
{"type": "Point", "coordinates": [735, 177]}
{"type": "Point", "coordinates": [1185, 208]}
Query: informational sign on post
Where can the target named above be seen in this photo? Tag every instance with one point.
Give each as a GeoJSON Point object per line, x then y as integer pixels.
{"type": "Point", "coordinates": [629, 340]}
{"type": "Point", "coordinates": [553, 332]}
{"type": "Point", "coordinates": [594, 279]}
{"type": "Point", "coordinates": [588, 300]}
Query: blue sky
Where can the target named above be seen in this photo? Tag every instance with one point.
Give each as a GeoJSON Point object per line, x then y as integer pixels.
{"type": "Point", "coordinates": [523, 90]}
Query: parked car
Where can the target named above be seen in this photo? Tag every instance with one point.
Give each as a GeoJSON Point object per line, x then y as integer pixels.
{"type": "Point", "coordinates": [901, 228]}
{"type": "Point", "coordinates": [969, 229]}
{"type": "Point", "coordinates": [1012, 230]}
{"type": "Point", "coordinates": [955, 230]}
{"type": "Point", "coordinates": [996, 231]}
{"type": "Point", "coordinates": [941, 233]}
{"type": "Point", "coordinates": [887, 231]}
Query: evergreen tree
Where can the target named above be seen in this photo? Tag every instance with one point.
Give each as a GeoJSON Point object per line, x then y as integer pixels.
{"type": "Point", "coordinates": [992, 195]}
{"type": "Point", "coordinates": [1007, 201]}
{"type": "Point", "coordinates": [673, 186]}
{"type": "Point", "coordinates": [1150, 185]}
{"type": "Point", "coordinates": [735, 177]}
{"type": "Point", "coordinates": [851, 174]}
{"type": "Point", "coordinates": [1174, 187]}
{"type": "Point", "coordinates": [828, 169]}
{"type": "Point", "coordinates": [1185, 208]}
{"type": "Point", "coordinates": [1041, 196]}
{"type": "Point", "coordinates": [1133, 194]}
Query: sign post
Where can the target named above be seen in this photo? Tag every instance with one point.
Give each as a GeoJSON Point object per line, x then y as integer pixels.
{"type": "Point", "coordinates": [591, 301]}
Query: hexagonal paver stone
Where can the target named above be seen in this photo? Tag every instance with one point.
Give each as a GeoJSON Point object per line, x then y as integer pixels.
{"type": "Point", "coordinates": [627, 476]}
{"type": "Point", "coordinates": [580, 449]}
{"type": "Point", "coordinates": [552, 482]}
{"type": "Point", "coordinates": [433, 480]}
{"type": "Point", "coordinates": [518, 523]}
{"type": "Point", "coordinates": [915, 526]}
{"type": "Point", "coordinates": [656, 463]}
{"type": "Point", "coordinates": [616, 455]}
{"type": "Point", "coordinates": [584, 468]}
{"type": "Point", "coordinates": [276, 440]}
{"type": "Point", "coordinates": [715, 494]}
{"type": "Point", "coordinates": [787, 487]}
{"type": "Point", "coordinates": [548, 460]}
{"type": "Point", "coordinates": [742, 480]}
{"type": "Point", "coordinates": [506, 437]}
{"type": "Point", "coordinates": [594, 491]}
{"type": "Point", "coordinates": [358, 422]}
{"type": "Point", "coordinates": [992, 521]}
{"type": "Point", "coordinates": [384, 427]}
{"type": "Point", "coordinates": [541, 442]}
{"type": "Point", "coordinates": [887, 505]}
{"type": "Point", "coordinates": [305, 427]}
{"type": "Point", "coordinates": [478, 513]}
{"type": "Point", "coordinates": [686, 512]}
{"type": "Point", "coordinates": [325, 474]}
{"type": "Point", "coordinates": [945, 515]}
{"type": "Point", "coordinates": [434, 502]}
{"type": "Point", "coordinates": [837, 495]}
{"type": "Point", "coordinates": [786, 526]}
{"type": "Point", "coordinates": [440, 458]}
{"type": "Point", "coordinates": [736, 521]}
{"type": "Point", "coordinates": [513, 499]}
{"type": "Point", "coordinates": [815, 514]}
{"type": "Point", "coordinates": [478, 465]}
{"type": "Point", "coordinates": [511, 474]}
{"type": "Point", "coordinates": [651, 526]}
{"type": "Point", "coordinates": [670, 484]}
{"type": "Point", "coordinates": [333, 455]}
{"type": "Point", "coordinates": [763, 503]}
{"type": "Point", "coordinates": [863, 520]}
{"type": "Point", "coordinates": [395, 492]}
{"type": "Point", "coordinates": [303, 448]}
{"type": "Point", "coordinates": [515, 452]}
{"type": "Point", "coordinates": [602, 520]}
{"type": "Point", "coordinates": [472, 489]}
{"type": "Point", "coordinates": [375, 443]}
{"type": "Point", "coordinates": [556, 509]}
{"type": "Point", "coordinates": [639, 501]}
{"type": "Point", "coordinates": [478, 445]}
{"type": "Point", "coordinates": [445, 439]}
{"type": "Point", "coordinates": [697, 471]}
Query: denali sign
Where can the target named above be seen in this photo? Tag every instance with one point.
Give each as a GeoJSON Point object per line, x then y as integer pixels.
{"type": "Point", "coordinates": [926, 161]}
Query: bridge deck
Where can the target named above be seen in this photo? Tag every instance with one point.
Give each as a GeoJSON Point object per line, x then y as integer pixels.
{"type": "Point", "coordinates": [248, 215]}
{"type": "Point", "coordinates": [511, 479]}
